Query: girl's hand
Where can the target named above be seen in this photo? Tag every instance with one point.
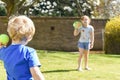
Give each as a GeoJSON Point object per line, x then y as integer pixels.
{"type": "Point", "coordinates": [76, 32]}
{"type": "Point", "coordinates": [91, 45]}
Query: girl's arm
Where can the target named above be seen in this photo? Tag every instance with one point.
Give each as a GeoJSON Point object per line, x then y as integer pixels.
{"type": "Point", "coordinates": [36, 73]}
{"type": "Point", "coordinates": [76, 32]}
{"type": "Point", "coordinates": [92, 39]}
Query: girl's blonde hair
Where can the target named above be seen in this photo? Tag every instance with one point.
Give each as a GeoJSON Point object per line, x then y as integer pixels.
{"type": "Point", "coordinates": [85, 16]}
{"type": "Point", "coordinates": [21, 27]}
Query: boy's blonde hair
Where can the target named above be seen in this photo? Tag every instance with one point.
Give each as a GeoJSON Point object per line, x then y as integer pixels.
{"type": "Point", "coordinates": [21, 27]}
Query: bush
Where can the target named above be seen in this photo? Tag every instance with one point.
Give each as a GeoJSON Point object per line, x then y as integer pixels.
{"type": "Point", "coordinates": [2, 11]}
{"type": "Point", "coordinates": [112, 36]}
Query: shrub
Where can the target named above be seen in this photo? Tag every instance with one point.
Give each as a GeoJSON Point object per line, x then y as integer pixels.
{"type": "Point", "coordinates": [2, 11]}
{"type": "Point", "coordinates": [112, 36]}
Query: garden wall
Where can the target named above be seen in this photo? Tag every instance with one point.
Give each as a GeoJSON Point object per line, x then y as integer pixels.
{"type": "Point", "coordinates": [57, 33]}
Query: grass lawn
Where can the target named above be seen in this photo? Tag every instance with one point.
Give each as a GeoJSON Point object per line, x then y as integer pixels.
{"type": "Point", "coordinates": [62, 66]}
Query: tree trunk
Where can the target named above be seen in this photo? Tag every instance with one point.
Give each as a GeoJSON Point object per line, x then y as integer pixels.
{"type": "Point", "coordinates": [79, 8]}
{"type": "Point", "coordinates": [15, 7]}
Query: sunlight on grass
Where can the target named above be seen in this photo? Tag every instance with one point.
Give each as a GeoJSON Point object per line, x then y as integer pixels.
{"type": "Point", "coordinates": [2, 72]}
{"type": "Point", "coordinates": [62, 66]}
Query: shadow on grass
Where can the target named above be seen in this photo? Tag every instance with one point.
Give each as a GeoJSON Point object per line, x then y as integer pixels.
{"type": "Point", "coordinates": [53, 71]}
{"type": "Point", "coordinates": [111, 55]}
{"type": "Point", "coordinates": [114, 56]}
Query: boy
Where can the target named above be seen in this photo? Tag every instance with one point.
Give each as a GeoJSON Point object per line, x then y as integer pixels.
{"type": "Point", "coordinates": [20, 61]}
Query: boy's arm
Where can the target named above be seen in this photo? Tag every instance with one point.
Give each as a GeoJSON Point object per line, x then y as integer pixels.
{"type": "Point", "coordinates": [36, 73]}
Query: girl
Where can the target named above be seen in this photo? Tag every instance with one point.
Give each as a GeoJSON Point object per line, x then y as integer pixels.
{"type": "Point", "coordinates": [85, 42]}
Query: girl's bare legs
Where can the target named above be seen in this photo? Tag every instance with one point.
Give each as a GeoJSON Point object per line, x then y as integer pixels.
{"type": "Point", "coordinates": [80, 59]}
{"type": "Point", "coordinates": [86, 56]}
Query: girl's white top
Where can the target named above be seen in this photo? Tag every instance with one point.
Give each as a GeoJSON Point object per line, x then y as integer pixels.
{"type": "Point", "coordinates": [85, 33]}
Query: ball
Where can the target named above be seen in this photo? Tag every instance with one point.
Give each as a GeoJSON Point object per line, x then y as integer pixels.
{"type": "Point", "coordinates": [4, 39]}
{"type": "Point", "coordinates": [76, 24]}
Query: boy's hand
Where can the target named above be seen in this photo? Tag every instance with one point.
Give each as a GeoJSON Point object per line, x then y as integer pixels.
{"type": "Point", "coordinates": [1, 45]}
{"type": "Point", "coordinates": [4, 39]}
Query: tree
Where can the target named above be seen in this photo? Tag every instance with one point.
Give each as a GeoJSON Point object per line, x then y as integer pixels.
{"type": "Point", "coordinates": [92, 8]}
{"type": "Point", "coordinates": [108, 8]}
{"type": "Point", "coordinates": [113, 8]}
{"type": "Point", "coordinates": [62, 8]}
{"type": "Point", "coordinates": [18, 6]}
{"type": "Point", "coordinates": [84, 7]}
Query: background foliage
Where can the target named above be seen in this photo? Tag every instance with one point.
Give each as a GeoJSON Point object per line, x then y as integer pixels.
{"type": "Point", "coordinates": [2, 11]}
{"type": "Point", "coordinates": [50, 7]}
{"type": "Point", "coordinates": [63, 8]}
{"type": "Point", "coordinates": [112, 36]}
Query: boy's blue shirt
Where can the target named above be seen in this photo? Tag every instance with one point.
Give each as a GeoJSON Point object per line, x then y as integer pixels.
{"type": "Point", "coordinates": [18, 59]}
